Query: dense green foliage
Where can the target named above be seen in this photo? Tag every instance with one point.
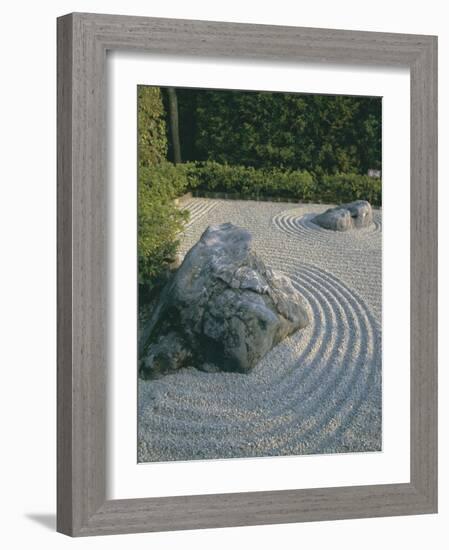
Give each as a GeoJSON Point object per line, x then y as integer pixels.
{"type": "Point", "coordinates": [152, 131]}
{"type": "Point", "coordinates": [249, 182]}
{"type": "Point", "coordinates": [349, 187]}
{"type": "Point", "coordinates": [159, 220]}
{"type": "Point", "coordinates": [323, 134]}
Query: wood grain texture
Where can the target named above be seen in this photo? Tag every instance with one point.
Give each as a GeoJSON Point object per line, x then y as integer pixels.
{"type": "Point", "coordinates": [423, 273]}
{"type": "Point", "coordinates": [64, 277]}
{"type": "Point", "coordinates": [83, 40]}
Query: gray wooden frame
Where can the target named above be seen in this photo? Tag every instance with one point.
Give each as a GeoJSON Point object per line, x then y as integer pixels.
{"type": "Point", "coordinates": [83, 40]}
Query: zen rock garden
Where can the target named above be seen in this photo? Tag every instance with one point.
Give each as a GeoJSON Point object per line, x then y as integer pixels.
{"type": "Point", "coordinates": [223, 309]}
{"type": "Point", "coordinates": [266, 340]}
{"type": "Point", "coordinates": [259, 299]}
{"type": "Point", "coordinates": [353, 215]}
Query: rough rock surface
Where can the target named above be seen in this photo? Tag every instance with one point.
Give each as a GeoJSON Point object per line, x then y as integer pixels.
{"type": "Point", "coordinates": [223, 309]}
{"type": "Point", "coordinates": [352, 215]}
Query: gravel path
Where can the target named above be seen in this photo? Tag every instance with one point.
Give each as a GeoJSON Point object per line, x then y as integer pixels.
{"type": "Point", "coordinates": [319, 391]}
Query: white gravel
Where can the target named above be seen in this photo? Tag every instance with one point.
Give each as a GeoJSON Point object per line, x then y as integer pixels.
{"type": "Point", "coordinates": [319, 391]}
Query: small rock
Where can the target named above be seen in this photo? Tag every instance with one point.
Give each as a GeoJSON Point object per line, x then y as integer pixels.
{"type": "Point", "coordinates": [352, 215]}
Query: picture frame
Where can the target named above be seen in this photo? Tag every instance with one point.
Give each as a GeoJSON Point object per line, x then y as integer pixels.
{"type": "Point", "coordinates": [83, 40]}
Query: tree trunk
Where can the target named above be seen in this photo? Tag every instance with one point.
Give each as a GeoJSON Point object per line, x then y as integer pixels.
{"type": "Point", "coordinates": [174, 124]}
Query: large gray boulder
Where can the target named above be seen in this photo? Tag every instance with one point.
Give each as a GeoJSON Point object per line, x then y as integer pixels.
{"type": "Point", "coordinates": [352, 215]}
{"type": "Point", "coordinates": [224, 309]}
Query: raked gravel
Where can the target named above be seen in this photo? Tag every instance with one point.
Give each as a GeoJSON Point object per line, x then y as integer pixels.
{"type": "Point", "coordinates": [319, 391]}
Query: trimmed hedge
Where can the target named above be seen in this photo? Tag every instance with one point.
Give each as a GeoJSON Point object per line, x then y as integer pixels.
{"type": "Point", "coordinates": [320, 133]}
{"type": "Point", "coordinates": [298, 185]}
{"type": "Point", "coordinates": [350, 187]}
{"type": "Point", "coordinates": [159, 220]}
{"type": "Point", "coordinates": [152, 131]}
{"type": "Point", "coordinates": [159, 183]}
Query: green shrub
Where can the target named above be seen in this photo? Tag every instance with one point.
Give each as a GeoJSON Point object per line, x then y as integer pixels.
{"type": "Point", "coordinates": [159, 183]}
{"type": "Point", "coordinates": [152, 131]}
{"type": "Point", "coordinates": [251, 182]}
{"type": "Point", "coordinates": [159, 220]}
{"type": "Point", "coordinates": [350, 187]}
{"type": "Point", "coordinates": [332, 133]}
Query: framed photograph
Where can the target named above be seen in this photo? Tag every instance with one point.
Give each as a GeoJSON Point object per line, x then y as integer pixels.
{"type": "Point", "coordinates": [238, 341]}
